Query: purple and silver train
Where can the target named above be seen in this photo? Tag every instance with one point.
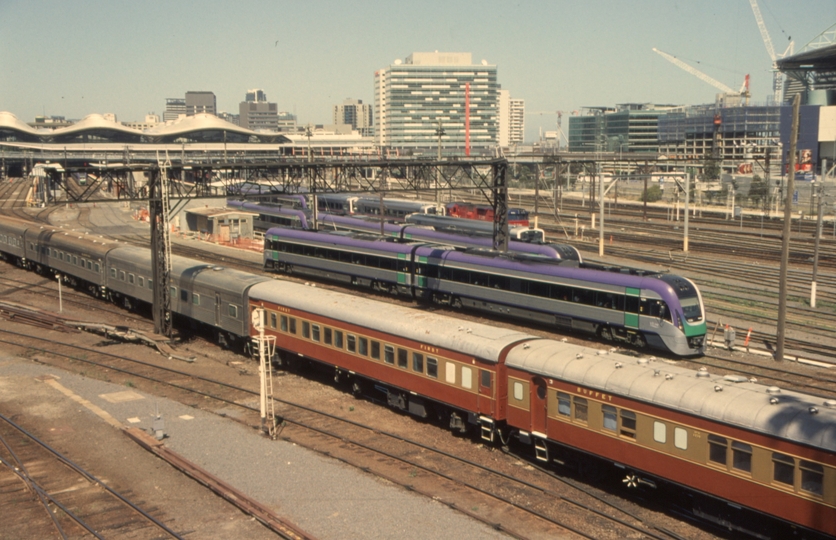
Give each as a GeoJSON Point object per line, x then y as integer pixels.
{"type": "Point", "coordinates": [660, 311]}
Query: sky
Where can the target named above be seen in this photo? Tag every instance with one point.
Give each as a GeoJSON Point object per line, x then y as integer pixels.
{"type": "Point", "coordinates": [72, 58]}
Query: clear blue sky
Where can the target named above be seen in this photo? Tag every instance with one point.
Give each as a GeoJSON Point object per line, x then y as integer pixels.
{"type": "Point", "coordinates": [76, 57]}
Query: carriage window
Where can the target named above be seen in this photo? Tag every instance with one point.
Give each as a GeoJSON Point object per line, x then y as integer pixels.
{"type": "Point", "coordinates": [363, 346]}
{"type": "Point", "coordinates": [75, 262]}
{"type": "Point", "coordinates": [680, 438]}
{"type": "Point", "coordinates": [660, 432]}
{"type": "Point", "coordinates": [418, 362]}
{"type": "Point", "coordinates": [610, 417]}
{"type": "Point", "coordinates": [628, 424]}
{"type": "Point", "coordinates": [233, 311]}
{"type": "Point", "coordinates": [338, 339]}
{"type": "Point", "coordinates": [150, 283]}
{"type": "Point", "coordinates": [328, 336]}
{"type": "Point", "coordinates": [184, 295]}
{"type": "Point", "coordinates": [172, 291]}
{"type": "Point", "coordinates": [581, 409]}
{"type": "Point", "coordinates": [196, 299]}
{"type": "Point", "coordinates": [292, 325]}
{"type": "Point", "coordinates": [351, 340]}
{"type": "Point", "coordinates": [432, 367]}
{"type": "Point", "coordinates": [89, 265]}
{"type": "Point", "coordinates": [121, 275]}
{"type": "Point", "coordinates": [564, 404]}
{"type": "Point", "coordinates": [450, 373]}
{"type": "Point", "coordinates": [306, 329]}
{"type": "Point", "coordinates": [402, 358]}
{"type": "Point", "coordinates": [272, 320]}
{"type": "Point", "coordinates": [741, 456]}
{"type": "Point", "coordinates": [388, 354]}
{"type": "Point", "coordinates": [783, 468]}
{"type": "Point", "coordinates": [315, 332]}
{"type": "Point", "coordinates": [376, 350]}
{"type": "Point", "coordinates": [283, 322]}
{"type": "Point", "coordinates": [717, 449]}
{"type": "Point", "coordinates": [518, 390]}
{"type": "Point", "coordinates": [486, 379]}
{"type": "Point", "coordinates": [812, 477]}
{"type": "Point", "coordinates": [141, 279]}
{"type": "Point", "coordinates": [97, 267]}
{"type": "Point", "coordinates": [112, 271]}
{"type": "Point", "coordinates": [467, 377]}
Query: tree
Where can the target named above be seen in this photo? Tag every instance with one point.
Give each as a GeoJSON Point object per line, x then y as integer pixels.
{"type": "Point", "coordinates": [758, 190]}
{"type": "Point", "coordinates": [653, 194]}
{"type": "Point", "coordinates": [710, 170]}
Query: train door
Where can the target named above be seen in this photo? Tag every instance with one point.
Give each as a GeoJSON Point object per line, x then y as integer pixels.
{"type": "Point", "coordinates": [486, 383]}
{"type": "Point", "coordinates": [539, 405]}
{"type": "Point", "coordinates": [217, 309]}
{"type": "Point", "coordinates": [631, 308]}
{"type": "Point", "coordinates": [404, 270]}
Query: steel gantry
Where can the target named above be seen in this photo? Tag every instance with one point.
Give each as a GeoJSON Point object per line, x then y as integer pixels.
{"type": "Point", "coordinates": [169, 180]}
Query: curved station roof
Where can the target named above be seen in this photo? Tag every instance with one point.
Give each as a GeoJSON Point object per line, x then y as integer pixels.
{"type": "Point", "coordinates": [95, 127]}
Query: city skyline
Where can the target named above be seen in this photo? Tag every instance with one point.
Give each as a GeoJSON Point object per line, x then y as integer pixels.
{"type": "Point", "coordinates": [74, 59]}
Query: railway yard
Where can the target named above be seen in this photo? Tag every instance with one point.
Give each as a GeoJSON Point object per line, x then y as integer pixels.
{"type": "Point", "coordinates": [343, 467]}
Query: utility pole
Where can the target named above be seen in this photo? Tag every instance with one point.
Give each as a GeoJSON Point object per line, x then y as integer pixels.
{"type": "Point", "coordinates": [818, 234]}
{"type": "Point", "coordinates": [439, 132]}
{"type": "Point", "coordinates": [687, 199]}
{"type": "Point", "coordinates": [785, 240]}
{"type": "Point", "coordinates": [601, 213]}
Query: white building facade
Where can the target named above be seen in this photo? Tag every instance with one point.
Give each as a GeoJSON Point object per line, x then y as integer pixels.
{"type": "Point", "coordinates": [416, 96]}
{"type": "Point", "coordinates": [511, 120]}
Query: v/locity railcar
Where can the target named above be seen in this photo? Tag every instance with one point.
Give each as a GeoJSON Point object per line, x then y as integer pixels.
{"type": "Point", "coordinates": [349, 204]}
{"type": "Point", "coordinates": [756, 458]}
{"type": "Point", "coordinates": [662, 311]}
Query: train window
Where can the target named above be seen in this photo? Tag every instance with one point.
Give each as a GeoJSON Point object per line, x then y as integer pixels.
{"type": "Point", "coordinates": [273, 320]}
{"type": "Point", "coordinates": [783, 469]}
{"type": "Point", "coordinates": [61, 258]}
{"type": "Point", "coordinates": [402, 358]}
{"type": "Point", "coordinates": [717, 447]}
{"type": "Point", "coordinates": [660, 432]}
{"type": "Point", "coordinates": [467, 377]}
{"type": "Point", "coordinates": [131, 279]}
{"type": "Point", "coordinates": [628, 424]}
{"type": "Point", "coordinates": [328, 336]}
{"type": "Point", "coordinates": [315, 332]}
{"type": "Point", "coordinates": [150, 283]}
{"type": "Point", "coordinates": [631, 304]}
{"type": "Point", "coordinates": [196, 299]}
{"type": "Point", "coordinates": [351, 343]}
{"type": "Point", "coordinates": [283, 322]}
{"type": "Point", "coordinates": [486, 379]}
{"type": "Point", "coordinates": [536, 288]}
{"type": "Point", "coordinates": [388, 354]}
{"type": "Point", "coordinates": [610, 417]}
{"type": "Point", "coordinates": [518, 390]}
{"type": "Point", "coordinates": [49, 251]}
{"type": "Point", "coordinates": [306, 329]}
{"type": "Point", "coordinates": [121, 275]}
{"type": "Point", "coordinates": [338, 339]}
{"type": "Point", "coordinates": [363, 346]}
{"type": "Point", "coordinates": [75, 262]}
{"type": "Point", "coordinates": [680, 438]}
{"type": "Point", "coordinates": [233, 311]}
{"type": "Point", "coordinates": [418, 362]}
{"type": "Point", "coordinates": [141, 279]}
{"type": "Point", "coordinates": [741, 456]}
{"type": "Point", "coordinates": [432, 367]}
{"type": "Point", "coordinates": [812, 477]}
{"type": "Point", "coordinates": [564, 404]}
{"type": "Point", "coordinates": [376, 350]}
{"type": "Point", "coordinates": [450, 373]}
{"type": "Point", "coordinates": [112, 271]}
{"type": "Point", "coordinates": [184, 295]}
{"type": "Point", "coordinates": [581, 409]}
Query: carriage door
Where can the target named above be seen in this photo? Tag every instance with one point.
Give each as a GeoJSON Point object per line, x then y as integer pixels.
{"type": "Point", "coordinates": [486, 381]}
{"type": "Point", "coordinates": [631, 308]}
{"type": "Point", "coordinates": [404, 270]}
{"type": "Point", "coordinates": [539, 405]}
{"type": "Point", "coordinates": [217, 309]}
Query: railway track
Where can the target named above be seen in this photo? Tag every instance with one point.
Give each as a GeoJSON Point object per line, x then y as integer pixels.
{"type": "Point", "coordinates": [78, 503]}
{"type": "Point", "coordinates": [465, 484]}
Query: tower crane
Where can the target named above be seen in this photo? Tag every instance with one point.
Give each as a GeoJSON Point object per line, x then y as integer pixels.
{"type": "Point", "coordinates": [559, 114]}
{"type": "Point", "coordinates": [777, 76]}
{"type": "Point", "coordinates": [744, 90]}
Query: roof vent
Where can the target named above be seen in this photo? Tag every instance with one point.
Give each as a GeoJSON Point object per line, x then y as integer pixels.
{"type": "Point", "coordinates": [669, 377]}
{"type": "Point", "coordinates": [753, 380]}
{"type": "Point", "coordinates": [469, 330]}
{"type": "Point", "coordinates": [657, 372]}
{"type": "Point", "coordinates": [564, 340]}
{"type": "Point", "coordinates": [773, 390]}
{"type": "Point", "coordinates": [718, 388]}
{"type": "Point", "coordinates": [653, 358]}
{"type": "Point", "coordinates": [526, 346]}
{"type": "Point", "coordinates": [813, 410]}
{"type": "Point", "coordinates": [735, 378]}
{"type": "Point", "coordinates": [619, 365]}
{"type": "Point", "coordinates": [830, 403]}
{"type": "Point", "coordinates": [642, 361]}
{"type": "Point", "coordinates": [217, 268]}
{"type": "Point", "coordinates": [703, 373]}
{"type": "Point", "coordinates": [579, 356]}
{"type": "Point", "coordinates": [773, 401]}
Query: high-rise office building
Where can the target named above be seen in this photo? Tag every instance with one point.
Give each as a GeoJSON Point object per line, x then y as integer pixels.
{"type": "Point", "coordinates": [511, 120]}
{"type": "Point", "coordinates": [258, 115]}
{"type": "Point", "coordinates": [174, 109]}
{"type": "Point", "coordinates": [256, 94]}
{"type": "Point", "coordinates": [414, 96]}
{"type": "Point", "coordinates": [356, 114]}
{"type": "Point", "coordinates": [201, 102]}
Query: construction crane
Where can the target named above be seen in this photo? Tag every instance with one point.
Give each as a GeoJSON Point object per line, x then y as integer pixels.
{"type": "Point", "coordinates": [559, 114]}
{"type": "Point", "coordinates": [777, 76]}
{"type": "Point", "coordinates": [744, 90]}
